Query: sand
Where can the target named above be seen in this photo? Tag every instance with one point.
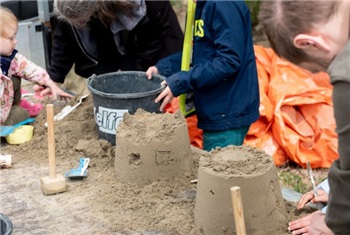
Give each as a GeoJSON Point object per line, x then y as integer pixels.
{"type": "Point", "coordinates": [101, 203]}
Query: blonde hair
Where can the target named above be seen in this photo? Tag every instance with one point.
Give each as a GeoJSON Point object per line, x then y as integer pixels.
{"type": "Point", "coordinates": [7, 20]}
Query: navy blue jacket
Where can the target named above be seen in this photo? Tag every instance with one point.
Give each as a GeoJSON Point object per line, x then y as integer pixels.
{"type": "Point", "coordinates": [5, 62]}
{"type": "Point", "coordinates": [223, 74]}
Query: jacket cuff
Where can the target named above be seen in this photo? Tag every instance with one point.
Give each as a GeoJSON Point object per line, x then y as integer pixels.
{"type": "Point", "coordinates": [174, 84]}
{"type": "Point", "coordinates": [324, 186]}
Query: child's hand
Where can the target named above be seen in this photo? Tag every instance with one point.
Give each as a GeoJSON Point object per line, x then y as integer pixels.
{"type": "Point", "coordinates": [150, 71]}
{"type": "Point", "coordinates": [165, 97]}
{"type": "Point", "coordinates": [309, 196]}
{"type": "Point", "coordinates": [55, 91]}
{"type": "Point", "coordinates": [38, 89]}
{"type": "Point", "coordinates": [309, 224]}
{"type": "Point", "coordinates": [300, 226]}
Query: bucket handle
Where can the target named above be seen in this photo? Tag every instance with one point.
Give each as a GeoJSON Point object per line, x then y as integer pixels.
{"type": "Point", "coordinates": [89, 80]}
{"type": "Point", "coordinates": [91, 77]}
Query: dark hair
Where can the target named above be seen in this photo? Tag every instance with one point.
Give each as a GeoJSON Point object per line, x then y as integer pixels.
{"type": "Point", "coordinates": [107, 10]}
{"type": "Point", "coordinates": [283, 20]}
{"type": "Point", "coordinates": [79, 12]}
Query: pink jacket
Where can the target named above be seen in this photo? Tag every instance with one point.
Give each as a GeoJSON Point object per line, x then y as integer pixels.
{"type": "Point", "coordinates": [23, 68]}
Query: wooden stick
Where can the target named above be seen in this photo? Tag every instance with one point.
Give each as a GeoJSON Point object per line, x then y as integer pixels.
{"type": "Point", "coordinates": [238, 210]}
{"type": "Point", "coordinates": [51, 140]}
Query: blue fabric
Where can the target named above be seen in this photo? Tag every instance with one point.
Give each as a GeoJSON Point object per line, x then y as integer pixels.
{"type": "Point", "coordinates": [5, 62]}
{"type": "Point", "coordinates": [213, 139]}
{"type": "Point", "coordinates": [223, 74]}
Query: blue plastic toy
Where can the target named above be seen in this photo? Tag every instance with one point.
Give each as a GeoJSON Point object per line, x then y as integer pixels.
{"type": "Point", "coordinates": [81, 171]}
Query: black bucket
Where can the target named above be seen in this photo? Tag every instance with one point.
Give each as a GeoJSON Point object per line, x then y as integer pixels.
{"type": "Point", "coordinates": [6, 226]}
{"type": "Point", "coordinates": [114, 94]}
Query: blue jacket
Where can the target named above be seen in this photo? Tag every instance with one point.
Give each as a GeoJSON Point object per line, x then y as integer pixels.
{"type": "Point", "coordinates": [223, 74]}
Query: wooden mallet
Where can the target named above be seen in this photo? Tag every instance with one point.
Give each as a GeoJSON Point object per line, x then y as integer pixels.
{"type": "Point", "coordinates": [54, 183]}
{"type": "Point", "coordinates": [238, 210]}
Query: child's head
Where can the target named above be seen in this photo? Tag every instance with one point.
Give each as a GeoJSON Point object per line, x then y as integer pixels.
{"type": "Point", "coordinates": [8, 30]}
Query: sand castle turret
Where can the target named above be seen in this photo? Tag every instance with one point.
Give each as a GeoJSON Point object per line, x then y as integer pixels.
{"type": "Point", "coordinates": [151, 147]}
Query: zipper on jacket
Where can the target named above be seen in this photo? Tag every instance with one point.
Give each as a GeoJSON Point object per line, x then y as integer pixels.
{"type": "Point", "coordinates": [82, 48]}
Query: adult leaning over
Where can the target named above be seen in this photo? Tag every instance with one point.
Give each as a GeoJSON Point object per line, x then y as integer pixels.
{"type": "Point", "coordinates": [315, 36]}
{"type": "Point", "coordinates": [108, 36]}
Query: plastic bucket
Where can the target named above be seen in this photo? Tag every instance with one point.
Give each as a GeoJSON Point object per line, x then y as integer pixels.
{"type": "Point", "coordinates": [21, 135]}
{"type": "Point", "coordinates": [114, 94]}
{"type": "Point", "coordinates": [6, 226]}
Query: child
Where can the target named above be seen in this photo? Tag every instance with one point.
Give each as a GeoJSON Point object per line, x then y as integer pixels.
{"type": "Point", "coordinates": [14, 67]}
{"type": "Point", "coordinates": [223, 76]}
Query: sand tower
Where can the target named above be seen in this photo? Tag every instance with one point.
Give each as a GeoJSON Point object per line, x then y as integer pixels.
{"type": "Point", "coordinates": [255, 173]}
{"type": "Point", "coordinates": [151, 147]}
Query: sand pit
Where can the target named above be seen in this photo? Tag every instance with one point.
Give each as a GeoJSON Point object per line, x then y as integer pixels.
{"type": "Point", "coordinates": [99, 203]}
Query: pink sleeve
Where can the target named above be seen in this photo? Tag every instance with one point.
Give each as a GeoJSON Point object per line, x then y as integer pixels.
{"type": "Point", "coordinates": [26, 69]}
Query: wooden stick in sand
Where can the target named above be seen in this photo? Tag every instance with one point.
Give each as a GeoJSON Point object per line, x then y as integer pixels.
{"type": "Point", "coordinates": [54, 183]}
{"type": "Point", "coordinates": [238, 210]}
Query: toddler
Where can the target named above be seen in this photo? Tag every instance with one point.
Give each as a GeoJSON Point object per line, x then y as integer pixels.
{"type": "Point", "coordinates": [14, 67]}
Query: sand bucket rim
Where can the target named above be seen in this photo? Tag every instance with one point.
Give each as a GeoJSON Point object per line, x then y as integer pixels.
{"type": "Point", "coordinates": [129, 95]}
{"type": "Point", "coordinates": [4, 220]}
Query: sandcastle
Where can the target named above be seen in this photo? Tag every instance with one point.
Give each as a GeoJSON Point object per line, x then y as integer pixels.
{"type": "Point", "coordinates": [254, 172]}
{"type": "Point", "coordinates": [151, 147]}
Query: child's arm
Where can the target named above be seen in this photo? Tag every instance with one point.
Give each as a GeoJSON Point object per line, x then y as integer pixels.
{"type": "Point", "coordinates": [28, 70]}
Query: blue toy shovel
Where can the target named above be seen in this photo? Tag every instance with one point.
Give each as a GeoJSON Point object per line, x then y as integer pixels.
{"type": "Point", "coordinates": [6, 130]}
{"type": "Point", "coordinates": [81, 171]}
